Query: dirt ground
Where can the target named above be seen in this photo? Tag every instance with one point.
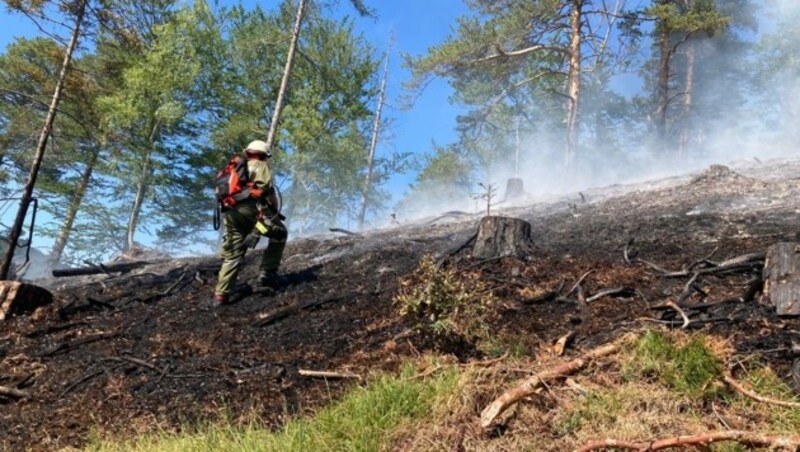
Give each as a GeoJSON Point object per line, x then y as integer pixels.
{"type": "Point", "coordinates": [130, 352]}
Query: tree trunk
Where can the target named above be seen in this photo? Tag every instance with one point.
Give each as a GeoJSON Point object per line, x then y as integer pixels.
{"type": "Point", "coordinates": [141, 189]}
{"type": "Point", "coordinates": [72, 211]}
{"type": "Point", "coordinates": [662, 87]}
{"type": "Point", "coordinates": [501, 237]}
{"type": "Point", "coordinates": [371, 159]}
{"type": "Point", "coordinates": [287, 70]}
{"type": "Point", "coordinates": [574, 81]}
{"type": "Point", "coordinates": [27, 193]}
{"type": "Point", "coordinates": [686, 126]}
{"type": "Point", "coordinates": [782, 278]}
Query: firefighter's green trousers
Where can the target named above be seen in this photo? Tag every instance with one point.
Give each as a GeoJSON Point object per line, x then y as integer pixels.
{"type": "Point", "coordinates": [240, 221]}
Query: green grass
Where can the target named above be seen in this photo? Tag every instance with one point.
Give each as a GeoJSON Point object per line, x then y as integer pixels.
{"type": "Point", "coordinates": [764, 382]}
{"type": "Point", "coordinates": [364, 420]}
{"type": "Point", "coordinates": [689, 369]}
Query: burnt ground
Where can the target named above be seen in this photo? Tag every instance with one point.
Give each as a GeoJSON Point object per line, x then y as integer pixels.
{"type": "Point", "coordinates": [142, 350]}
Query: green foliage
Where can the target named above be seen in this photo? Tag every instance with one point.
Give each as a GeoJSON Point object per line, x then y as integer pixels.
{"type": "Point", "coordinates": [700, 16]}
{"type": "Point", "coordinates": [445, 303]}
{"type": "Point", "coordinates": [364, 420]}
{"type": "Point", "coordinates": [689, 369]}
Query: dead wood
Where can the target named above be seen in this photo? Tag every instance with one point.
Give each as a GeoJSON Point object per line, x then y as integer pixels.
{"type": "Point", "coordinates": [327, 374]}
{"type": "Point", "coordinates": [282, 313]}
{"type": "Point", "coordinates": [456, 250]}
{"type": "Point", "coordinates": [751, 439]}
{"type": "Point", "coordinates": [674, 306]}
{"type": "Point", "coordinates": [530, 385]}
{"type": "Point", "coordinates": [743, 263]}
{"type": "Point", "coordinates": [616, 291]}
{"type": "Point", "coordinates": [39, 332]}
{"type": "Point", "coordinates": [137, 361]}
{"type": "Point", "coordinates": [451, 214]}
{"type": "Point", "coordinates": [84, 378]}
{"type": "Point", "coordinates": [749, 393]}
{"type": "Point", "coordinates": [95, 269]}
{"type": "Point", "coordinates": [157, 295]}
{"type": "Point", "coordinates": [502, 237]}
{"type": "Point", "coordinates": [578, 282]}
{"type": "Point", "coordinates": [346, 232]}
{"type": "Point", "coordinates": [14, 393]}
{"type": "Point", "coordinates": [691, 322]}
{"type": "Point", "coordinates": [66, 347]}
{"type": "Point", "coordinates": [626, 252]}
{"type": "Point", "coordinates": [782, 279]}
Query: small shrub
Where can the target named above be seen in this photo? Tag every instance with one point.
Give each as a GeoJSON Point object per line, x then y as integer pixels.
{"type": "Point", "coordinates": [444, 302]}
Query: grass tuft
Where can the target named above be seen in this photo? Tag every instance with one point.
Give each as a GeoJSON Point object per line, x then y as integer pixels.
{"type": "Point", "coordinates": [689, 369]}
{"type": "Point", "coordinates": [364, 420]}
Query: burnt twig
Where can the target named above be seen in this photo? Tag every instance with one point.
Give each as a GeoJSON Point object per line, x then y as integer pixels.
{"type": "Point", "coordinates": [14, 393]}
{"type": "Point", "coordinates": [616, 291]}
{"type": "Point", "coordinates": [578, 282]}
{"type": "Point", "coordinates": [345, 231]}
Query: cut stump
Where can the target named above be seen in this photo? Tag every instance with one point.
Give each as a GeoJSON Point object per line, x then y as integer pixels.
{"type": "Point", "coordinates": [502, 237]}
{"type": "Point", "coordinates": [514, 188]}
{"type": "Point", "coordinates": [782, 278]}
{"type": "Point", "coordinates": [17, 297]}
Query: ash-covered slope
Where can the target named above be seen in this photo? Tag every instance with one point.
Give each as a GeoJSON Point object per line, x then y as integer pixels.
{"type": "Point", "coordinates": [144, 349]}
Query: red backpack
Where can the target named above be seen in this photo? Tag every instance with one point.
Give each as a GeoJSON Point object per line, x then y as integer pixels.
{"type": "Point", "coordinates": [231, 184]}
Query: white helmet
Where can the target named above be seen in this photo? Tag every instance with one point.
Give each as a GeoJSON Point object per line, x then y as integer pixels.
{"type": "Point", "coordinates": [257, 147]}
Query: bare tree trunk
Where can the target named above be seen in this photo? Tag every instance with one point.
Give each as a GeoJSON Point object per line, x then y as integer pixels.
{"type": "Point", "coordinates": [662, 88]}
{"type": "Point", "coordinates": [27, 193]}
{"type": "Point", "coordinates": [375, 131]}
{"type": "Point", "coordinates": [287, 70]}
{"type": "Point", "coordinates": [72, 211]}
{"type": "Point", "coordinates": [574, 80]}
{"type": "Point", "coordinates": [686, 126]}
{"type": "Point", "coordinates": [141, 189]}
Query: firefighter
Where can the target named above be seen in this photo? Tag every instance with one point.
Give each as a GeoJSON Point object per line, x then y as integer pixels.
{"type": "Point", "coordinates": [247, 221]}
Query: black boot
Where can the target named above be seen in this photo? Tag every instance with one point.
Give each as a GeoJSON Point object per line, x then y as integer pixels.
{"type": "Point", "coordinates": [271, 278]}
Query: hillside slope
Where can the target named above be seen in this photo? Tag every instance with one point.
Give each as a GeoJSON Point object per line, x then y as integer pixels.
{"type": "Point", "coordinates": [144, 349]}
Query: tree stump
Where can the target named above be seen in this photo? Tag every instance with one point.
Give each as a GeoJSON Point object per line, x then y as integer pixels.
{"type": "Point", "coordinates": [502, 237]}
{"type": "Point", "coordinates": [17, 297]}
{"type": "Point", "coordinates": [781, 278]}
{"type": "Point", "coordinates": [514, 188]}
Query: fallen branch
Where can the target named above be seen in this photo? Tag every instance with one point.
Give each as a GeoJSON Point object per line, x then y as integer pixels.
{"type": "Point", "coordinates": [53, 329]}
{"type": "Point", "coordinates": [95, 269]}
{"type": "Point", "coordinates": [451, 214]}
{"type": "Point", "coordinates": [749, 393]}
{"type": "Point", "coordinates": [282, 313]}
{"type": "Point", "coordinates": [620, 291]}
{"type": "Point", "coordinates": [65, 347]}
{"type": "Point", "coordinates": [626, 252]}
{"type": "Point", "coordinates": [5, 391]}
{"type": "Point", "coordinates": [326, 374]}
{"type": "Point", "coordinates": [741, 437]}
{"type": "Point", "coordinates": [530, 385]}
{"type": "Point", "coordinates": [578, 283]}
{"type": "Point", "coordinates": [346, 232]}
{"type": "Point", "coordinates": [674, 306]}
{"type": "Point", "coordinates": [456, 250]}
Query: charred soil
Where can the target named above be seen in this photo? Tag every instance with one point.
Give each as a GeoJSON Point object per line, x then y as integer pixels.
{"type": "Point", "coordinates": [125, 353]}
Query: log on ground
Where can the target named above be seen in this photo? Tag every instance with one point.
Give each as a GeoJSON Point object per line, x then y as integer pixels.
{"type": "Point", "coordinates": [782, 278]}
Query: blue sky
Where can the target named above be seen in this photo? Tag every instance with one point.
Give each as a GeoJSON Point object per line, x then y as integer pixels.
{"type": "Point", "coordinates": [416, 25]}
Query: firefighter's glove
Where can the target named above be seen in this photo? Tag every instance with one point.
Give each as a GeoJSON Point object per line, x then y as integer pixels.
{"type": "Point", "coordinates": [252, 239]}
